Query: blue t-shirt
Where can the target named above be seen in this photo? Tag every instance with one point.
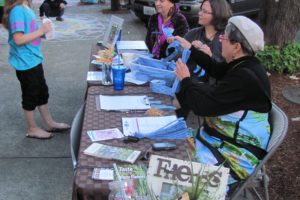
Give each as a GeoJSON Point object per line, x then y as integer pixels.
{"type": "Point", "coordinates": [29, 55]}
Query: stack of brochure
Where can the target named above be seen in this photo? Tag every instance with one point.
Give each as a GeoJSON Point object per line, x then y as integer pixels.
{"type": "Point", "coordinates": [111, 152]}
{"type": "Point", "coordinates": [106, 134]}
{"type": "Point", "coordinates": [166, 127]}
{"type": "Point", "coordinates": [139, 47]}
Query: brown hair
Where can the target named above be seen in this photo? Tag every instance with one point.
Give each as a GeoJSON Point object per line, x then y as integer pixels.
{"type": "Point", "coordinates": [221, 12]}
{"type": "Point", "coordinates": [9, 5]}
{"type": "Point", "coordinates": [172, 10]}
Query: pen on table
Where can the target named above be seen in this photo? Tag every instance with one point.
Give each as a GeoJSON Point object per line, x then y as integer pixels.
{"type": "Point", "coordinates": [127, 111]}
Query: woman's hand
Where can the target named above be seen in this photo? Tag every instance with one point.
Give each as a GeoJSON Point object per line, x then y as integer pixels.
{"type": "Point", "coordinates": [182, 71]}
{"type": "Point", "coordinates": [183, 42]}
{"type": "Point", "coordinates": [206, 50]}
{"type": "Point", "coordinates": [202, 47]}
{"type": "Point", "coordinates": [170, 39]}
{"type": "Point", "coordinates": [197, 44]}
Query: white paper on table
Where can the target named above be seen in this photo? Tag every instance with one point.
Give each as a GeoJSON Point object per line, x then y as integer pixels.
{"type": "Point", "coordinates": [134, 45]}
{"type": "Point", "coordinates": [96, 62]}
{"type": "Point", "coordinates": [132, 125]}
{"type": "Point", "coordinates": [131, 79]}
{"type": "Point", "coordinates": [124, 103]}
{"type": "Point", "coordinates": [103, 174]}
{"type": "Point", "coordinates": [94, 76]}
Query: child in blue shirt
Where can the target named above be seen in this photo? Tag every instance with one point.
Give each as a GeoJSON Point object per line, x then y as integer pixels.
{"type": "Point", "coordinates": [26, 58]}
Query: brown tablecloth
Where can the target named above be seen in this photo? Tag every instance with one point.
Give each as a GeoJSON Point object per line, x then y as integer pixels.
{"type": "Point", "coordinates": [84, 187]}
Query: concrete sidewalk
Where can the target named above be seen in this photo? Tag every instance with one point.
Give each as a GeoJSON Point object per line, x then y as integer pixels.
{"type": "Point", "coordinates": [41, 170]}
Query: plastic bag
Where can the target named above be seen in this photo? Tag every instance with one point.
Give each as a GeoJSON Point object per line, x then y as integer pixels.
{"type": "Point", "coordinates": [51, 34]}
{"type": "Point", "coordinates": [125, 190]}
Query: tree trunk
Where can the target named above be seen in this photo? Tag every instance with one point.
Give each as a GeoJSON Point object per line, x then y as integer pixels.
{"type": "Point", "coordinates": [280, 20]}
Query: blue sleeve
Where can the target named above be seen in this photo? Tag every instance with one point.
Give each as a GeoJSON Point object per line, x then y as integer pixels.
{"type": "Point", "coordinates": [17, 19]}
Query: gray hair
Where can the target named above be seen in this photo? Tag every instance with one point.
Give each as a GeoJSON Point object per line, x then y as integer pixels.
{"type": "Point", "coordinates": [234, 35]}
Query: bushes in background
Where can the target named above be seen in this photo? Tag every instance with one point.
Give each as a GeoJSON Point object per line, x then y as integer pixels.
{"type": "Point", "coordinates": [284, 60]}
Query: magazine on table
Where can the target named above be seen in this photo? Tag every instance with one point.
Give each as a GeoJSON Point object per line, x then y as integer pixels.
{"type": "Point", "coordinates": [129, 171]}
{"type": "Point", "coordinates": [135, 178]}
{"type": "Point", "coordinates": [106, 134]}
{"type": "Point", "coordinates": [113, 153]}
{"type": "Point", "coordinates": [168, 176]}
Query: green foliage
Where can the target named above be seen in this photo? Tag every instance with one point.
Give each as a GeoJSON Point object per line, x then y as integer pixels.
{"type": "Point", "coordinates": [282, 60]}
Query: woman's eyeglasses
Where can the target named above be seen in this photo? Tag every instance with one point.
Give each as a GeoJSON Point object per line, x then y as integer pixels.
{"type": "Point", "coordinates": [222, 37]}
{"type": "Point", "coordinates": [205, 11]}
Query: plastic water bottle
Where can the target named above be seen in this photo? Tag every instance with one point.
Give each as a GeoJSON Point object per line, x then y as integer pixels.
{"type": "Point", "coordinates": [50, 34]}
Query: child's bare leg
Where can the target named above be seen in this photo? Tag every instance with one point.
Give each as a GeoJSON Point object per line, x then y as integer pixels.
{"type": "Point", "coordinates": [50, 124]}
{"type": "Point", "coordinates": [33, 129]}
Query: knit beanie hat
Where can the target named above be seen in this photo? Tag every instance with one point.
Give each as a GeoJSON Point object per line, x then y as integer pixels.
{"type": "Point", "coordinates": [250, 30]}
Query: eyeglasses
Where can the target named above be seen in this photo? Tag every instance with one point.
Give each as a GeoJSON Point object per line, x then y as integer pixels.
{"type": "Point", "coordinates": [205, 11]}
{"type": "Point", "coordinates": [222, 37]}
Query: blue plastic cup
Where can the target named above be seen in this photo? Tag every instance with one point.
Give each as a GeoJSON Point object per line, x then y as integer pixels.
{"type": "Point", "coordinates": [118, 77]}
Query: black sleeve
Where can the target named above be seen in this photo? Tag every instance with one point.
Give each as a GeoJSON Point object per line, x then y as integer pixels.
{"type": "Point", "coordinates": [213, 100]}
{"type": "Point", "coordinates": [181, 26]}
{"type": "Point", "coordinates": [213, 68]}
{"type": "Point", "coordinates": [42, 10]}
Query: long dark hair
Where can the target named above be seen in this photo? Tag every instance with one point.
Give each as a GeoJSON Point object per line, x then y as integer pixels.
{"type": "Point", "coordinates": [9, 5]}
{"type": "Point", "coordinates": [173, 9]}
{"type": "Point", "coordinates": [221, 12]}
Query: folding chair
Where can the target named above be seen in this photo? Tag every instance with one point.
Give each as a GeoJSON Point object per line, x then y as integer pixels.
{"type": "Point", "coordinates": [259, 178]}
{"type": "Point", "coordinates": [75, 134]}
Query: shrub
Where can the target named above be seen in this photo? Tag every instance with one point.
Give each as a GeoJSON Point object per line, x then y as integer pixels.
{"type": "Point", "coordinates": [284, 60]}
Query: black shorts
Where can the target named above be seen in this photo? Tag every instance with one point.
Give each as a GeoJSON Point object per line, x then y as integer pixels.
{"type": "Point", "coordinates": [1, 13]}
{"type": "Point", "coordinates": [34, 87]}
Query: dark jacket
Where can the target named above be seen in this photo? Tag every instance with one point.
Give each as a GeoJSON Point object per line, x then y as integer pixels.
{"type": "Point", "coordinates": [213, 43]}
{"type": "Point", "coordinates": [242, 85]}
{"type": "Point", "coordinates": [54, 5]}
{"type": "Point", "coordinates": [180, 24]}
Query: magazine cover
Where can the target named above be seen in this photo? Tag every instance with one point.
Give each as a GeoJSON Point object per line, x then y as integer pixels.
{"type": "Point", "coordinates": [132, 172]}
{"type": "Point", "coordinates": [111, 152]}
{"type": "Point", "coordinates": [169, 178]}
{"type": "Point", "coordinates": [136, 176]}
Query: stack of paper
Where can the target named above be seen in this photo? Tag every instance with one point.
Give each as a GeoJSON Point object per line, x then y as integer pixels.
{"type": "Point", "coordinates": [132, 47]}
{"type": "Point", "coordinates": [111, 152]}
{"type": "Point", "coordinates": [124, 103]}
{"type": "Point", "coordinates": [107, 134]}
{"type": "Point", "coordinates": [165, 127]}
{"type": "Point", "coordinates": [94, 76]}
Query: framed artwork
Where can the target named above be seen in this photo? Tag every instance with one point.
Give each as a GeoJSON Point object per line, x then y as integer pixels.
{"type": "Point", "coordinates": [168, 177]}
{"type": "Point", "coordinates": [113, 31]}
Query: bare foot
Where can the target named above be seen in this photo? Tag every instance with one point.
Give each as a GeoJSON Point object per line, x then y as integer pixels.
{"type": "Point", "coordinates": [57, 127]}
{"type": "Point", "coordinates": [38, 133]}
